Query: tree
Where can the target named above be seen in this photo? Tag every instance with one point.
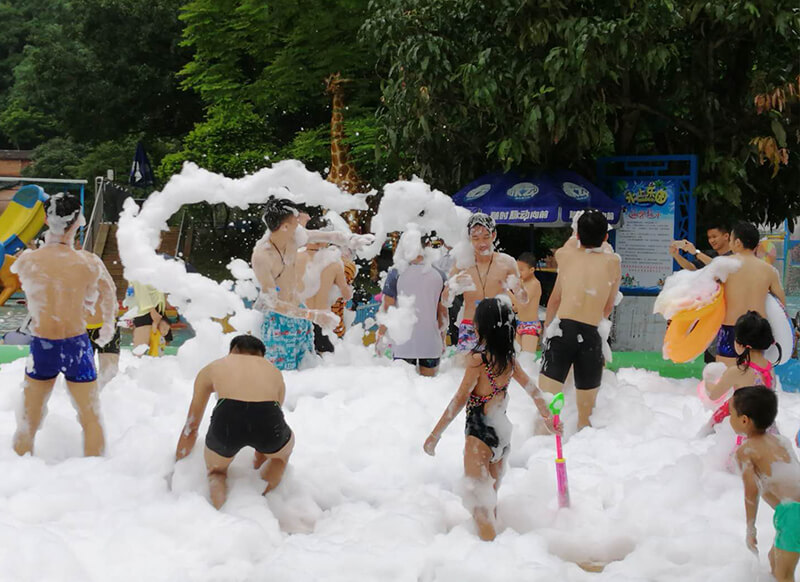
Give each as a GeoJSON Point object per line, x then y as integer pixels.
{"type": "Point", "coordinates": [475, 86]}
{"type": "Point", "coordinates": [261, 66]}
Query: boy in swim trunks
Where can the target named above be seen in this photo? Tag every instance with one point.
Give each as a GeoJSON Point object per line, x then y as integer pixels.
{"type": "Point", "coordinates": [248, 413]}
{"type": "Point", "coordinates": [321, 269]}
{"type": "Point", "coordinates": [492, 274]}
{"type": "Point", "coordinates": [584, 294]}
{"type": "Point", "coordinates": [529, 328]}
{"type": "Point", "coordinates": [62, 284]}
{"type": "Point", "coordinates": [746, 288]}
{"type": "Point", "coordinates": [287, 330]}
{"type": "Point", "coordinates": [770, 470]}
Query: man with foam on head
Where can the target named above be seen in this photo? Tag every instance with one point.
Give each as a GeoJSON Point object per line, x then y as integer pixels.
{"type": "Point", "coordinates": [64, 285]}
{"type": "Point", "coordinates": [323, 279]}
{"type": "Point", "coordinates": [746, 288]}
{"type": "Point", "coordinates": [490, 275]}
{"type": "Point", "coordinates": [248, 413]}
{"type": "Point", "coordinates": [287, 330]}
{"type": "Point", "coordinates": [584, 294]}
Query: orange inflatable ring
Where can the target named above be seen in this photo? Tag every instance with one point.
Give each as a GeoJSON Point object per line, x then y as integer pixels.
{"type": "Point", "coordinates": [691, 331]}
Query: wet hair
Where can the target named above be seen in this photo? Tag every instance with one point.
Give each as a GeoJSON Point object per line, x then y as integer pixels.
{"type": "Point", "coordinates": [758, 403]}
{"type": "Point", "coordinates": [720, 226]}
{"type": "Point", "coordinates": [592, 228]}
{"type": "Point", "coordinates": [276, 211]}
{"type": "Point", "coordinates": [63, 210]}
{"type": "Point", "coordinates": [496, 326]}
{"type": "Point", "coordinates": [747, 233]}
{"type": "Point", "coordinates": [481, 219]}
{"type": "Point", "coordinates": [528, 258]}
{"type": "Point", "coordinates": [752, 332]}
{"type": "Point", "coordinates": [318, 223]}
{"type": "Point", "coordinates": [248, 344]}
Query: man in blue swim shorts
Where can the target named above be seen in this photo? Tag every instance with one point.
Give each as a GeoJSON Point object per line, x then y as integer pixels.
{"type": "Point", "coordinates": [288, 331]}
{"type": "Point", "coordinates": [746, 288]}
{"type": "Point", "coordinates": [62, 286]}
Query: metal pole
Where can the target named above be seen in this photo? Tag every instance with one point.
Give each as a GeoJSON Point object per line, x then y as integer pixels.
{"type": "Point", "coordinates": [82, 212]}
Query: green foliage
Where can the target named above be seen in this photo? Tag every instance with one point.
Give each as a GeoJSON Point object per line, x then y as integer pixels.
{"type": "Point", "coordinates": [261, 67]}
{"type": "Point", "coordinates": [475, 86]}
{"type": "Point", "coordinates": [95, 70]}
{"type": "Point", "coordinates": [233, 143]}
{"type": "Point", "coordinates": [56, 158]}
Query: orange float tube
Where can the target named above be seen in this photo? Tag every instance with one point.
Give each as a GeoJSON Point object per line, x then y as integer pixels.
{"type": "Point", "coordinates": [690, 332]}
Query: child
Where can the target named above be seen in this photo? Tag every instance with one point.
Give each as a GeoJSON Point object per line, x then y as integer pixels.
{"type": "Point", "coordinates": [490, 367]}
{"type": "Point", "coordinates": [770, 469]}
{"type": "Point", "coordinates": [753, 335]}
{"type": "Point", "coordinates": [529, 328]}
{"type": "Point", "coordinates": [248, 413]}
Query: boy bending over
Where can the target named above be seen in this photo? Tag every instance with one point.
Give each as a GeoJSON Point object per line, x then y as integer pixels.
{"type": "Point", "coordinates": [769, 469]}
{"type": "Point", "coordinates": [248, 413]}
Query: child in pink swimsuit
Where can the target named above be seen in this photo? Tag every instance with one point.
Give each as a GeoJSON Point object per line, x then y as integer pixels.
{"type": "Point", "coordinates": [753, 337]}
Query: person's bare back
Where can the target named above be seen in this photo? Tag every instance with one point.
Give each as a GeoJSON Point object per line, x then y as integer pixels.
{"type": "Point", "coordinates": [746, 288]}
{"type": "Point", "coordinates": [245, 378]}
{"type": "Point", "coordinates": [775, 467]}
{"type": "Point", "coordinates": [61, 285]}
{"type": "Point", "coordinates": [588, 282]}
{"type": "Point", "coordinates": [320, 270]}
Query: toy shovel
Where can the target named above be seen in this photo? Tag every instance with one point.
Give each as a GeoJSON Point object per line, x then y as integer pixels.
{"type": "Point", "coordinates": [561, 466]}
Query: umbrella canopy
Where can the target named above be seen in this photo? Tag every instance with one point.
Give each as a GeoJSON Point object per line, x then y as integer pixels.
{"type": "Point", "coordinates": [545, 199]}
{"type": "Point", "coordinates": [141, 175]}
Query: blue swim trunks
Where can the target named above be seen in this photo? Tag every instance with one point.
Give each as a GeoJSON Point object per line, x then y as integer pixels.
{"type": "Point", "coordinates": [72, 357]}
{"type": "Point", "coordinates": [287, 339]}
{"type": "Point", "coordinates": [725, 339]}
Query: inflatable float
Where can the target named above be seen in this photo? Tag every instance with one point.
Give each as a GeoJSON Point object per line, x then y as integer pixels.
{"type": "Point", "coordinates": [782, 330]}
{"type": "Point", "coordinates": [691, 331]}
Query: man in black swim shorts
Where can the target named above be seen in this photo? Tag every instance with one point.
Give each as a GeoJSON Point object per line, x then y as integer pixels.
{"type": "Point", "coordinates": [248, 413]}
{"type": "Point", "coordinates": [584, 294]}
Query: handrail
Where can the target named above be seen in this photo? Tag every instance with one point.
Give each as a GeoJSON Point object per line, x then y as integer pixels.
{"type": "Point", "coordinates": [180, 234]}
{"type": "Point", "coordinates": [93, 226]}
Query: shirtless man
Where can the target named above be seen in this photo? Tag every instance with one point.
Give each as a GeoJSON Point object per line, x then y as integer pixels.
{"type": "Point", "coordinates": [719, 238]}
{"type": "Point", "coordinates": [746, 288]}
{"type": "Point", "coordinates": [63, 284]}
{"type": "Point", "coordinates": [248, 413]}
{"type": "Point", "coordinates": [769, 470]}
{"type": "Point", "coordinates": [584, 293]}
{"type": "Point", "coordinates": [287, 328]}
{"type": "Point", "coordinates": [529, 328]}
{"type": "Point", "coordinates": [492, 274]}
{"type": "Point", "coordinates": [321, 268]}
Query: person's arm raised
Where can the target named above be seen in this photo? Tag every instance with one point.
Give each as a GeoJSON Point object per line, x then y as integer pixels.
{"type": "Point", "coordinates": [341, 239]}
{"type": "Point", "coordinates": [458, 402]}
{"type": "Point", "coordinates": [203, 387]}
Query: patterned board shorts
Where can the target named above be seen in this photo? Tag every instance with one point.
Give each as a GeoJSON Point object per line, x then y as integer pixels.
{"type": "Point", "coordinates": [287, 339]}
{"type": "Point", "coordinates": [467, 336]}
{"type": "Point", "coordinates": [533, 328]}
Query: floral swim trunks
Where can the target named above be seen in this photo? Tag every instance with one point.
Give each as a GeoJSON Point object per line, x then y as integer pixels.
{"type": "Point", "coordinates": [287, 339]}
{"type": "Point", "coordinates": [533, 328]}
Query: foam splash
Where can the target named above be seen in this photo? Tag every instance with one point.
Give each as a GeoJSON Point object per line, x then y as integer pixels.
{"type": "Point", "coordinates": [686, 290]}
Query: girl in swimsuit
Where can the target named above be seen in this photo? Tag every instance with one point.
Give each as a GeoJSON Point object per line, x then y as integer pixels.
{"type": "Point", "coordinates": [483, 391]}
{"type": "Point", "coordinates": [753, 336]}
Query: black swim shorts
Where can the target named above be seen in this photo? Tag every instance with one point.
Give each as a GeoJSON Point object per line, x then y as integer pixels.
{"type": "Point", "coordinates": [322, 343]}
{"type": "Point", "coordinates": [111, 347]}
{"type": "Point", "coordinates": [578, 346]}
{"type": "Point", "coordinates": [236, 424]}
{"type": "Point", "coordinates": [423, 362]}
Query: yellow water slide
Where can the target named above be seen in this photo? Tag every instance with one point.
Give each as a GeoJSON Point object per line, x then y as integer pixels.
{"type": "Point", "coordinates": [19, 224]}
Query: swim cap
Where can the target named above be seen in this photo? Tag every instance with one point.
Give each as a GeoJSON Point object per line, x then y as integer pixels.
{"type": "Point", "coordinates": [481, 219]}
